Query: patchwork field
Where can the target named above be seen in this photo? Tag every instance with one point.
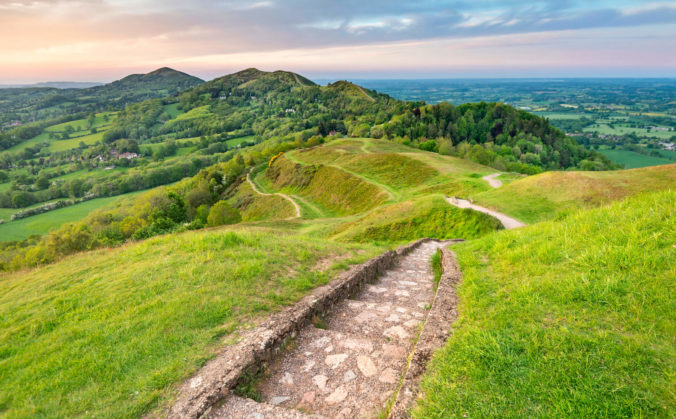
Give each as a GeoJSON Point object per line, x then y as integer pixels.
{"type": "Point", "coordinates": [632, 160]}
{"type": "Point", "coordinates": [42, 223]}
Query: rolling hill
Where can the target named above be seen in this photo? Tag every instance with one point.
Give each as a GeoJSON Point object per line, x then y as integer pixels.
{"type": "Point", "coordinates": [358, 197]}
{"type": "Point", "coordinates": [27, 105]}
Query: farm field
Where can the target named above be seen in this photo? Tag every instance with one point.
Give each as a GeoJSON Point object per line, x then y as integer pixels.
{"type": "Point", "coordinates": [234, 142]}
{"type": "Point", "coordinates": [631, 160]}
{"type": "Point", "coordinates": [80, 134]}
{"type": "Point", "coordinates": [624, 129]}
{"type": "Point", "coordinates": [42, 223]}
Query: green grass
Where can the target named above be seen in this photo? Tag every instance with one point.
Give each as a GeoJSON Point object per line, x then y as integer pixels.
{"type": "Point", "coordinates": [631, 160]}
{"type": "Point", "coordinates": [86, 174]}
{"type": "Point", "coordinates": [172, 110]}
{"type": "Point", "coordinates": [429, 216]}
{"type": "Point", "coordinates": [196, 113]}
{"type": "Point", "coordinates": [561, 115]}
{"type": "Point", "coordinates": [333, 190]}
{"type": "Point", "coordinates": [574, 318]}
{"type": "Point", "coordinates": [62, 145]}
{"type": "Point", "coordinates": [108, 333]}
{"type": "Point", "coordinates": [550, 194]}
{"type": "Point", "coordinates": [234, 142]}
{"type": "Point", "coordinates": [6, 213]}
{"type": "Point", "coordinates": [83, 124]}
{"type": "Point", "coordinates": [435, 263]}
{"type": "Point", "coordinates": [255, 207]}
{"type": "Point", "coordinates": [42, 223]}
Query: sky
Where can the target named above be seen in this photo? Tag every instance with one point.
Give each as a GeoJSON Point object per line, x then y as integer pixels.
{"type": "Point", "coordinates": [104, 40]}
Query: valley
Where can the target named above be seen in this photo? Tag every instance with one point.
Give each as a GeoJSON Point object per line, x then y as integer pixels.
{"type": "Point", "coordinates": [237, 201]}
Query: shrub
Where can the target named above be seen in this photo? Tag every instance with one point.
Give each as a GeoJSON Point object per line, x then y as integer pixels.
{"type": "Point", "coordinates": [223, 213]}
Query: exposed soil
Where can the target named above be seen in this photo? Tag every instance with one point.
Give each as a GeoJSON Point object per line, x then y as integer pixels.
{"type": "Point", "coordinates": [491, 179]}
{"type": "Point", "coordinates": [507, 221]}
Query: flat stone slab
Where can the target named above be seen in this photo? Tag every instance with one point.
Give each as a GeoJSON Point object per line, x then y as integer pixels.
{"type": "Point", "coordinates": [335, 374]}
{"type": "Point", "coordinates": [242, 408]}
{"type": "Point", "coordinates": [354, 367]}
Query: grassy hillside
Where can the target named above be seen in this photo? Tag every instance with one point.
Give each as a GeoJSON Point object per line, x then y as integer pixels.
{"type": "Point", "coordinates": [574, 318]}
{"type": "Point", "coordinates": [107, 333]}
{"type": "Point", "coordinates": [430, 216]}
{"type": "Point", "coordinates": [255, 207]}
{"type": "Point", "coordinates": [543, 196]}
{"type": "Point", "coordinates": [336, 191]}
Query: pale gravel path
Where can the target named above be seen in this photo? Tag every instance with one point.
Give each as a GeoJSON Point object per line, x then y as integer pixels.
{"type": "Point", "coordinates": [507, 221]}
{"type": "Point", "coordinates": [352, 367]}
{"type": "Point", "coordinates": [287, 197]}
{"type": "Point", "coordinates": [491, 179]}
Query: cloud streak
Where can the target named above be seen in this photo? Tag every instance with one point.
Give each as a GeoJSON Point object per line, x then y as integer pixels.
{"type": "Point", "coordinates": [105, 36]}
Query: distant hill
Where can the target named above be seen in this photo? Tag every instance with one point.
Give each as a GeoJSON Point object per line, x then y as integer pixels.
{"type": "Point", "coordinates": [162, 81]}
{"type": "Point", "coordinates": [55, 99]}
{"type": "Point", "coordinates": [54, 84]}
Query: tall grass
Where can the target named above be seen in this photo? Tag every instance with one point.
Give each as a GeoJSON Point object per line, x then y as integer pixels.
{"type": "Point", "coordinates": [575, 318]}
{"type": "Point", "coordinates": [108, 333]}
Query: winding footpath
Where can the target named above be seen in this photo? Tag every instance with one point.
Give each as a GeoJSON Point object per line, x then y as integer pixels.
{"type": "Point", "coordinates": [351, 364]}
{"type": "Point", "coordinates": [491, 179]}
{"type": "Point", "coordinates": [288, 198]}
{"type": "Point", "coordinates": [507, 221]}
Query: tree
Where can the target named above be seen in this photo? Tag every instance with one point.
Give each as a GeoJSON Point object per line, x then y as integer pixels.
{"type": "Point", "coordinates": [42, 182]}
{"type": "Point", "coordinates": [223, 213]}
{"type": "Point", "coordinates": [21, 199]}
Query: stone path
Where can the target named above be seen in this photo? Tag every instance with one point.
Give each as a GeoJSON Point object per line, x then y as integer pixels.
{"type": "Point", "coordinates": [491, 179]}
{"type": "Point", "coordinates": [351, 366]}
{"type": "Point", "coordinates": [507, 221]}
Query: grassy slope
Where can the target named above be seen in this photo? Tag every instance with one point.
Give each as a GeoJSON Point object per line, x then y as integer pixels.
{"type": "Point", "coordinates": [429, 216]}
{"type": "Point", "coordinates": [541, 197]}
{"type": "Point", "coordinates": [413, 181]}
{"type": "Point", "coordinates": [335, 191]}
{"type": "Point", "coordinates": [42, 223]}
{"type": "Point", "coordinates": [575, 318]}
{"type": "Point", "coordinates": [109, 332]}
{"type": "Point", "coordinates": [255, 207]}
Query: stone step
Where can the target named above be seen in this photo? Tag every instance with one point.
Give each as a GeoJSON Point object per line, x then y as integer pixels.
{"type": "Point", "coordinates": [235, 407]}
{"type": "Point", "coordinates": [352, 368]}
{"type": "Point", "coordinates": [335, 374]}
{"type": "Point", "coordinates": [382, 322]}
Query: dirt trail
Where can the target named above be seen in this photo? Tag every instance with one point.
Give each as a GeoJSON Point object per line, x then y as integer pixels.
{"type": "Point", "coordinates": [491, 179]}
{"type": "Point", "coordinates": [352, 365]}
{"type": "Point", "coordinates": [507, 221]}
{"type": "Point", "coordinates": [288, 198]}
{"type": "Point", "coordinates": [365, 94]}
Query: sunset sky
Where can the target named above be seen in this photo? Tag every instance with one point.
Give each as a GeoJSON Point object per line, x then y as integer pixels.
{"type": "Point", "coordinates": [104, 40]}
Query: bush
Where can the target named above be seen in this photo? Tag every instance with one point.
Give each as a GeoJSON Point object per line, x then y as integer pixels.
{"type": "Point", "coordinates": [223, 213]}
